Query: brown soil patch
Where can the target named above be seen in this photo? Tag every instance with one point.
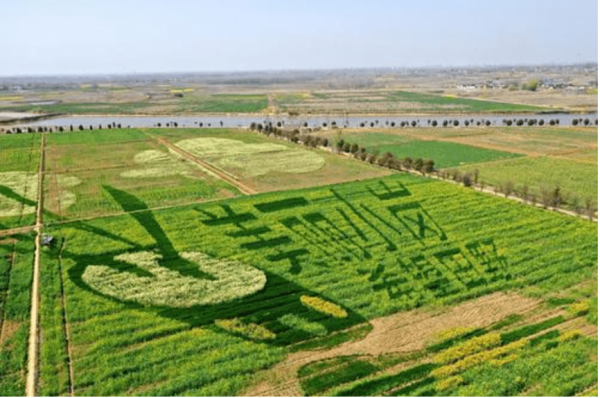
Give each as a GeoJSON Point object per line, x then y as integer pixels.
{"type": "Point", "coordinates": [580, 324]}
{"type": "Point", "coordinates": [477, 142]}
{"type": "Point", "coordinates": [9, 328]}
{"type": "Point", "coordinates": [15, 231]}
{"type": "Point", "coordinates": [397, 333]}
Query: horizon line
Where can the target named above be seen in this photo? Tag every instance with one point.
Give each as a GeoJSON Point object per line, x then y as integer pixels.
{"type": "Point", "coordinates": [248, 71]}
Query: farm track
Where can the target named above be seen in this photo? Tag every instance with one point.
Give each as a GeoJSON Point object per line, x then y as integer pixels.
{"type": "Point", "coordinates": [32, 358]}
{"type": "Point", "coordinates": [19, 230]}
{"type": "Point", "coordinates": [396, 334]}
{"type": "Point", "coordinates": [223, 176]}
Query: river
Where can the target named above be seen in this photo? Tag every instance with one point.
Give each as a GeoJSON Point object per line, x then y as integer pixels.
{"type": "Point", "coordinates": [310, 121]}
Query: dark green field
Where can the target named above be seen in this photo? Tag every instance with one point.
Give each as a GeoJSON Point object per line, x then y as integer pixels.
{"type": "Point", "coordinates": [436, 102]}
{"type": "Point", "coordinates": [445, 154]}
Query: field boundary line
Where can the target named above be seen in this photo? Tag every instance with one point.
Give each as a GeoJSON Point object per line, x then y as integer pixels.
{"type": "Point", "coordinates": [223, 176]}
{"type": "Point", "coordinates": [65, 322]}
{"type": "Point", "coordinates": [33, 353]}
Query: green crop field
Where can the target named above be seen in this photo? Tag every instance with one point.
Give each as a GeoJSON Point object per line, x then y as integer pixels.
{"type": "Point", "coordinates": [223, 103]}
{"type": "Point", "coordinates": [337, 278]}
{"type": "Point", "coordinates": [436, 102]}
{"type": "Point", "coordinates": [575, 179]}
{"type": "Point", "coordinates": [82, 166]}
{"type": "Point", "coordinates": [19, 163]}
{"type": "Point", "coordinates": [16, 260]}
{"type": "Point", "coordinates": [445, 154]}
{"type": "Point", "coordinates": [143, 318]}
{"type": "Point", "coordinates": [389, 102]}
{"type": "Point", "coordinates": [188, 104]}
{"type": "Point", "coordinates": [505, 359]}
{"type": "Point", "coordinates": [543, 158]}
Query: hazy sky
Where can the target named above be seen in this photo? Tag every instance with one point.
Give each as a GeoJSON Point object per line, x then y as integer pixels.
{"type": "Point", "coordinates": [136, 36]}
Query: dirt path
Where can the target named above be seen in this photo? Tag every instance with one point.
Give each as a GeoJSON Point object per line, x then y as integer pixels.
{"type": "Point", "coordinates": [223, 176]}
{"type": "Point", "coordinates": [403, 332]}
{"type": "Point", "coordinates": [32, 357]}
{"type": "Point", "coordinates": [19, 230]}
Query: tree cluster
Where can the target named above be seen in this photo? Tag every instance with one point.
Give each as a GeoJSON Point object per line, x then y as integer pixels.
{"type": "Point", "coordinates": [388, 159]}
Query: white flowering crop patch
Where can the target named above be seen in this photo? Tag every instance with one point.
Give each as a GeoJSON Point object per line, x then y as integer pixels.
{"type": "Point", "coordinates": [18, 192]}
{"type": "Point", "coordinates": [253, 159]}
{"type": "Point", "coordinates": [155, 163]}
{"type": "Point", "coordinates": [165, 287]}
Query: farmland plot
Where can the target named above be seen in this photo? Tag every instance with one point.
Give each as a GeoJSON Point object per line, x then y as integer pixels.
{"type": "Point", "coordinates": [16, 263]}
{"type": "Point", "coordinates": [575, 179]}
{"type": "Point", "coordinates": [445, 154]}
{"type": "Point", "coordinates": [18, 179]}
{"type": "Point", "coordinates": [310, 263]}
{"type": "Point", "coordinates": [82, 165]}
{"type": "Point", "coordinates": [387, 102]}
{"type": "Point", "coordinates": [541, 158]}
{"type": "Point", "coordinates": [265, 164]}
{"type": "Point", "coordinates": [507, 358]}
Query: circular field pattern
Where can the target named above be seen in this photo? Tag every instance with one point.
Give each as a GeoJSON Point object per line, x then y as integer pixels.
{"type": "Point", "coordinates": [166, 287]}
{"type": "Point", "coordinates": [253, 159]}
{"type": "Point", "coordinates": [156, 164]}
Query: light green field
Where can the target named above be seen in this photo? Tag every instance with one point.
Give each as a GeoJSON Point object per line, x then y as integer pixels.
{"type": "Point", "coordinates": [575, 179]}
{"type": "Point", "coordinates": [19, 163]}
{"type": "Point", "coordinates": [372, 248]}
{"type": "Point", "coordinates": [16, 259]}
{"type": "Point", "coordinates": [124, 159]}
